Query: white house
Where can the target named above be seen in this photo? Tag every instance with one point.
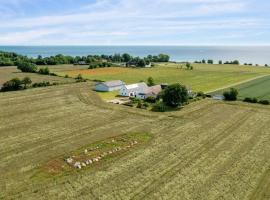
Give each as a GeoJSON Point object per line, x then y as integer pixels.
{"type": "Point", "coordinates": [109, 86]}
{"type": "Point", "coordinates": [150, 92]}
{"type": "Point", "coordinates": [133, 90]}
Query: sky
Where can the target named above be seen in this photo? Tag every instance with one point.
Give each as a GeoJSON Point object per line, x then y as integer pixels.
{"type": "Point", "coordinates": [134, 22]}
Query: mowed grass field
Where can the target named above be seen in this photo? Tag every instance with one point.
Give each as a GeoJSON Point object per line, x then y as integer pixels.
{"type": "Point", "coordinates": [258, 88]}
{"type": "Point", "coordinates": [203, 78]}
{"type": "Point", "coordinates": [7, 73]}
{"type": "Point", "coordinates": [208, 150]}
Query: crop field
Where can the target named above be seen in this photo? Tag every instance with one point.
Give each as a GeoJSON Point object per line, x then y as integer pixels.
{"type": "Point", "coordinates": [7, 73]}
{"type": "Point", "coordinates": [203, 78]}
{"type": "Point", "coordinates": [258, 88]}
{"type": "Point", "coordinates": [208, 150]}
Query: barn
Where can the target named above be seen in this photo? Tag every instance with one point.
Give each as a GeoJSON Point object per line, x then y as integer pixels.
{"type": "Point", "coordinates": [133, 90]}
{"type": "Point", "coordinates": [109, 86]}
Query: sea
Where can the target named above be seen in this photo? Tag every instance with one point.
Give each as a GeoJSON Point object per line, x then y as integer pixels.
{"type": "Point", "coordinates": [245, 54]}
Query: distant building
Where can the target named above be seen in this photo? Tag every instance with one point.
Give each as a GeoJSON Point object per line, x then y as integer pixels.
{"type": "Point", "coordinates": [150, 92]}
{"type": "Point", "coordinates": [80, 63]}
{"type": "Point", "coordinates": [133, 90]}
{"type": "Point", "coordinates": [109, 86]}
{"type": "Point", "coordinates": [218, 97]}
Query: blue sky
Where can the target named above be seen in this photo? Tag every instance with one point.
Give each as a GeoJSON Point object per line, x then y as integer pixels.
{"type": "Point", "coordinates": [134, 22]}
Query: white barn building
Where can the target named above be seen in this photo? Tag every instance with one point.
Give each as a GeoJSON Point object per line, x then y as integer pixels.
{"type": "Point", "coordinates": [133, 90]}
{"type": "Point", "coordinates": [109, 86]}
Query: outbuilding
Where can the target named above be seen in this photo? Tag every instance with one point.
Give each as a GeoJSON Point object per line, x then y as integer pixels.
{"type": "Point", "coordinates": [150, 92]}
{"type": "Point", "coordinates": [109, 86]}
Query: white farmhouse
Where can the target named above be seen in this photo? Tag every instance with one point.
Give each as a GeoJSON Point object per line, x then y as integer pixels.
{"type": "Point", "coordinates": [109, 86]}
{"type": "Point", "coordinates": [133, 90]}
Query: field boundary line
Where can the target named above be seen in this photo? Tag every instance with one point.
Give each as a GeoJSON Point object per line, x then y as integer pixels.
{"type": "Point", "coordinates": [235, 84]}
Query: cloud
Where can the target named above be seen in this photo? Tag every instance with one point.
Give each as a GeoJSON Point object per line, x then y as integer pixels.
{"type": "Point", "coordinates": [127, 21]}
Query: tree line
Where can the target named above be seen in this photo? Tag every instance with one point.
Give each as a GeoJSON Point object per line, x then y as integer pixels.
{"type": "Point", "coordinates": [13, 59]}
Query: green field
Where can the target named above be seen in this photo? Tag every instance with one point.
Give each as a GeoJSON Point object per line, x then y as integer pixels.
{"type": "Point", "coordinates": [203, 78]}
{"type": "Point", "coordinates": [208, 150]}
{"type": "Point", "coordinates": [258, 88]}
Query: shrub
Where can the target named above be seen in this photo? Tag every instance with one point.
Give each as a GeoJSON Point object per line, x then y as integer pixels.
{"type": "Point", "coordinates": [26, 81]}
{"type": "Point", "coordinates": [146, 105]}
{"type": "Point", "coordinates": [12, 85]}
{"type": "Point", "coordinates": [254, 100]}
{"type": "Point", "coordinates": [44, 71]}
{"type": "Point", "coordinates": [231, 95]}
{"type": "Point", "coordinates": [41, 84]}
{"type": "Point", "coordinates": [159, 107]}
{"type": "Point", "coordinates": [201, 94]}
{"type": "Point", "coordinates": [151, 99]}
{"type": "Point", "coordinates": [66, 76]}
{"type": "Point", "coordinates": [248, 99]}
{"type": "Point", "coordinates": [150, 81]}
{"type": "Point", "coordinates": [27, 67]}
{"type": "Point", "coordinates": [264, 102]}
{"type": "Point", "coordinates": [79, 78]}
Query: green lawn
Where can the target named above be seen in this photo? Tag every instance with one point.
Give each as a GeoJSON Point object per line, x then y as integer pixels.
{"type": "Point", "coordinates": [259, 88]}
{"type": "Point", "coordinates": [203, 78]}
{"type": "Point", "coordinates": [108, 95]}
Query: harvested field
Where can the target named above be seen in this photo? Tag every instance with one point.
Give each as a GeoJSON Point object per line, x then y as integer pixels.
{"type": "Point", "coordinates": [208, 150]}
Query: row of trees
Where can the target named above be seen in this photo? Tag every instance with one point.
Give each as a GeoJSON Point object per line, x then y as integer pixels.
{"type": "Point", "coordinates": [210, 61]}
{"type": "Point", "coordinates": [11, 59]}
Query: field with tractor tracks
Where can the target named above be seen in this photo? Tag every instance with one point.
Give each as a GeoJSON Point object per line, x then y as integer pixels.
{"type": "Point", "coordinates": [208, 150]}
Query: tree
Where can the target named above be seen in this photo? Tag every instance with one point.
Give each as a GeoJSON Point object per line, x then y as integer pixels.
{"type": "Point", "coordinates": [220, 62]}
{"type": "Point", "coordinates": [26, 81]}
{"type": "Point", "coordinates": [210, 62]}
{"type": "Point", "coordinates": [12, 85]}
{"type": "Point", "coordinates": [189, 66]}
{"type": "Point", "coordinates": [150, 81]}
{"type": "Point", "coordinates": [175, 95]}
{"type": "Point", "coordinates": [141, 63]}
{"type": "Point", "coordinates": [126, 57]}
{"type": "Point", "coordinates": [231, 95]}
{"type": "Point", "coordinates": [27, 67]}
{"type": "Point", "coordinates": [203, 61]}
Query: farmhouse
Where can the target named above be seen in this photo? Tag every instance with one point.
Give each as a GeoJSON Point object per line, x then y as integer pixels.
{"type": "Point", "coordinates": [150, 92]}
{"type": "Point", "coordinates": [109, 86]}
{"type": "Point", "coordinates": [133, 90]}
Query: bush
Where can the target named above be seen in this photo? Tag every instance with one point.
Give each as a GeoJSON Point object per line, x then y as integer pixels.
{"type": "Point", "coordinates": [27, 67]}
{"type": "Point", "coordinates": [264, 102]}
{"type": "Point", "coordinates": [12, 85]}
{"type": "Point", "coordinates": [66, 76]}
{"type": "Point", "coordinates": [150, 82]}
{"type": "Point", "coordinates": [231, 95]}
{"type": "Point", "coordinates": [41, 84]}
{"type": "Point", "coordinates": [146, 105]}
{"type": "Point", "coordinates": [201, 94]}
{"type": "Point", "coordinates": [151, 99]}
{"type": "Point", "coordinates": [248, 99]}
{"type": "Point", "coordinates": [44, 71]}
{"type": "Point", "coordinates": [159, 107]}
{"type": "Point", "coordinates": [254, 100]}
{"type": "Point", "coordinates": [79, 78]}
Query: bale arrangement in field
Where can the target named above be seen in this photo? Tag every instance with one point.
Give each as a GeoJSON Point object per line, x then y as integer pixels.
{"type": "Point", "coordinates": [79, 164]}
